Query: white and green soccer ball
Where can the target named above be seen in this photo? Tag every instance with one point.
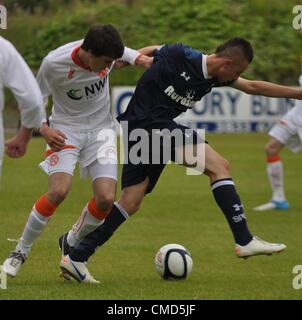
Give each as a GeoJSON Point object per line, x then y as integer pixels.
{"type": "Point", "coordinates": [173, 262]}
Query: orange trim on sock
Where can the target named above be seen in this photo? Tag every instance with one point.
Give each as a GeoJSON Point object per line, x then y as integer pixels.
{"type": "Point", "coordinates": [44, 207]}
{"type": "Point", "coordinates": [93, 210]}
{"type": "Point", "coordinates": [271, 159]}
{"type": "Point", "coordinates": [49, 152]}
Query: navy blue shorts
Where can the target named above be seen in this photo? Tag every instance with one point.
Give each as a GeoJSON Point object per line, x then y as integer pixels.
{"type": "Point", "coordinates": [134, 174]}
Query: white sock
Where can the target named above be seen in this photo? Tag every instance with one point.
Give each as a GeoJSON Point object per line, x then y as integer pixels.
{"type": "Point", "coordinates": [33, 228]}
{"type": "Point", "coordinates": [275, 176]}
{"type": "Point", "coordinates": [85, 225]}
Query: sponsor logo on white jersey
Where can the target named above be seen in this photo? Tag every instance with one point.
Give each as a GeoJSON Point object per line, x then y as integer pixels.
{"type": "Point", "coordinates": [89, 92]}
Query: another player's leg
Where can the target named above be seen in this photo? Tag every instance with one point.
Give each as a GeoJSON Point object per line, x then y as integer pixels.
{"type": "Point", "coordinates": [42, 211]}
{"type": "Point", "coordinates": [227, 198]}
{"type": "Point", "coordinates": [274, 171]}
{"type": "Point", "coordinates": [129, 203]}
{"type": "Point", "coordinates": [93, 216]}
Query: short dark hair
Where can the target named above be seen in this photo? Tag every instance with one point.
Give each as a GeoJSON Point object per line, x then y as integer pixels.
{"type": "Point", "coordinates": [103, 40]}
{"type": "Point", "coordinates": [231, 47]}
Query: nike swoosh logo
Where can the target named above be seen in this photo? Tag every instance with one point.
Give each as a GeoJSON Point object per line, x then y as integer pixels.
{"type": "Point", "coordinates": [81, 276]}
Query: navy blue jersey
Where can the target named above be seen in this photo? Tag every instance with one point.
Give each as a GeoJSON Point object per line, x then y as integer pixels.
{"type": "Point", "coordinates": [173, 84]}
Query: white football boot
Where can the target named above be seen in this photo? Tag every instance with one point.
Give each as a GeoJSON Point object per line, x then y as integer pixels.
{"type": "Point", "coordinates": [273, 205]}
{"type": "Point", "coordinates": [13, 263]}
{"type": "Point", "coordinates": [76, 270]}
{"type": "Point", "coordinates": [258, 247]}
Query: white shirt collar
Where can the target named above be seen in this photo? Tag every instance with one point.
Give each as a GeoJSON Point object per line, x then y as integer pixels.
{"type": "Point", "coordinates": [204, 66]}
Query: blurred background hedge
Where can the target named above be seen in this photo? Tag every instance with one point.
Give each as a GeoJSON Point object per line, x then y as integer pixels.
{"type": "Point", "coordinates": [38, 26]}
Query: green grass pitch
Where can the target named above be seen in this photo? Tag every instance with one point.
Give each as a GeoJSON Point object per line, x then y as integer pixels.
{"type": "Point", "coordinates": [180, 210]}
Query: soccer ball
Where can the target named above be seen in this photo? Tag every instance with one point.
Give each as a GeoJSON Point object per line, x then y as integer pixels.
{"type": "Point", "coordinates": [173, 262]}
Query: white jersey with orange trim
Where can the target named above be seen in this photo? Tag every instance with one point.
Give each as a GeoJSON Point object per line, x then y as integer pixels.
{"type": "Point", "coordinates": [288, 130]}
{"type": "Point", "coordinates": [294, 116]}
{"type": "Point", "coordinates": [16, 76]}
{"type": "Point", "coordinates": [80, 97]}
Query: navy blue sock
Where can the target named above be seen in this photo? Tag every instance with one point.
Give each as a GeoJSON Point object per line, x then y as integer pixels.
{"type": "Point", "coordinates": [227, 198]}
{"type": "Point", "coordinates": [100, 235]}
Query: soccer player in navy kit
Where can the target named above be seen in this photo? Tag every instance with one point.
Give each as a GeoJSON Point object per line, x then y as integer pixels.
{"type": "Point", "coordinates": [179, 77]}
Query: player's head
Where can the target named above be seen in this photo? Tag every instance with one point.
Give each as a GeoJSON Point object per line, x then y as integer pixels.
{"type": "Point", "coordinates": [235, 55]}
{"type": "Point", "coordinates": [103, 45]}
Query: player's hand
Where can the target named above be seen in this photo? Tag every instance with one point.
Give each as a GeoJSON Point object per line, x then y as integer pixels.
{"type": "Point", "coordinates": [54, 138]}
{"type": "Point", "coordinates": [145, 61]}
{"type": "Point", "coordinates": [119, 64]}
{"type": "Point", "coordinates": [141, 60]}
{"type": "Point", "coordinates": [16, 147]}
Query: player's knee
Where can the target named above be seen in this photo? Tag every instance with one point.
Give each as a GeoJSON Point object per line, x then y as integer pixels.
{"type": "Point", "coordinates": [58, 195]}
{"type": "Point", "coordinates": [218, 169]}
{"type": "Point", "coordinates": [222, 167]}
{"type": "Point", "coordinates": [270, 149]}
{"type": "Point", "coordinates": [104, 202]}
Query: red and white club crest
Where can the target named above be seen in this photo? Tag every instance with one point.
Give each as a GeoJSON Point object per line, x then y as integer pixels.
{"type": "Point", "coordinates": [53, 160]}
{"type": "Point", "coordinates": [71, 73]}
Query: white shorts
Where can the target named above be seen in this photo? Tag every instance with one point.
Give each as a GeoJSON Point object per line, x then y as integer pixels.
{"type": "Point", "coordinates": [288, 134]}
{"type": "Point", "coordinates": [94, 150]}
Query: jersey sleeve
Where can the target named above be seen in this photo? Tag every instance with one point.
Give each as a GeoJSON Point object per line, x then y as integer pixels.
{"type": "Point", "coordinates": [43, 79]}
{"type": "Point", "coordinates": [19, 79]}
{"type": "Point", "coordinates": [169, 51]}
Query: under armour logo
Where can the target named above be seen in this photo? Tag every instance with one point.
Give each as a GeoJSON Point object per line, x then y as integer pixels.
{"type": "Point", "coordinates": [187, 78]}
{"type": "Point", "coordinates": [237, 207]}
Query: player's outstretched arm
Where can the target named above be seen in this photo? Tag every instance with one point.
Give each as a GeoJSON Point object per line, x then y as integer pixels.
{"type": "Point", "coordinates": [267, 89]}
{"type": "Point", "coordinates": [149, 51]}
{"type": "Point", "coordinates": [145, 58]}
{"type": "Point", "coordinates": [141, 57]}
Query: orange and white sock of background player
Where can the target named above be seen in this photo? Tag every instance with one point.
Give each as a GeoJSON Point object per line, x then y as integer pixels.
{"type": "Point", "coordinates": [274, 171]}
{"type": "Point", "coordinates": [91, 217]}
{"type": "Point", "coordinates": [37, 221]}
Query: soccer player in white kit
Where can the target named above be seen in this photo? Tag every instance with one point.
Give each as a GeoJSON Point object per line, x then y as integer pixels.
{"type": "Point", "coordinates": [81, 129]}
{"type": "Point", "coordinates": [287, 132]}
{"type": "Point", "coordinates": [16, 76]}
